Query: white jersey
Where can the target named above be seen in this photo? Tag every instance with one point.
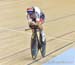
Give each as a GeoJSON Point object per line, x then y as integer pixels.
{"type": "Point", "coordinates": [37, 14]}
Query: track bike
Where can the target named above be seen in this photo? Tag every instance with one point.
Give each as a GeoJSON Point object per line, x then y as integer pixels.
{"type": "Point", "coordinates": [37, 44]}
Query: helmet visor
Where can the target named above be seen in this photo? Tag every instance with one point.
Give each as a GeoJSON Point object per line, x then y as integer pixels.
{"type": "Point", "coordinates": [30, 12]}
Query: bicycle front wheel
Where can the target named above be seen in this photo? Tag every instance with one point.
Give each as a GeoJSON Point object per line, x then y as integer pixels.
{"type": "Point", "coordinates": [34, 46]}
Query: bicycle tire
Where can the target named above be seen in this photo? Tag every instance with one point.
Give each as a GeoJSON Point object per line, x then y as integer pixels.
{"type": "Point", "coordinates": [43, 46]}
{"type": "Point", "coordinates": [34, 46]}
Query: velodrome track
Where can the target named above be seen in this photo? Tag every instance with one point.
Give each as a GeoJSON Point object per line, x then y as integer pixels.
{"type": "Point", "coordinates": [15, 42]}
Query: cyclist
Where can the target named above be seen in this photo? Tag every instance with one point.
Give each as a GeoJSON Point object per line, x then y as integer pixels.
{"type": "Point", "coordinates": [36, 18]}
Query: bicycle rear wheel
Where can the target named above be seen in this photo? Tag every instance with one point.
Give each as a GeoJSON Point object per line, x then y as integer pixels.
{"type": "Point", "coordinates": [43, 46]}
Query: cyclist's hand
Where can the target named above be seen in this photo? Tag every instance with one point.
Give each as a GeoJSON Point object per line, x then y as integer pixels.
{"type": "Point", "coordinates": [33, 23]}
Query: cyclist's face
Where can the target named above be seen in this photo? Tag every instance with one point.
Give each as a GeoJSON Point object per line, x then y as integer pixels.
{"type": "Point", "coordinates": [32, 15]}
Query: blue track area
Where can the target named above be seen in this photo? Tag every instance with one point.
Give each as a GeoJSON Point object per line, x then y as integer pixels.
{"type": "Point", "coordinates": [66, 58]}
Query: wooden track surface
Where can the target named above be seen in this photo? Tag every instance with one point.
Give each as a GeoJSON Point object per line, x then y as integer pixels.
{"type": "Point", "coordinates": [15, 42]}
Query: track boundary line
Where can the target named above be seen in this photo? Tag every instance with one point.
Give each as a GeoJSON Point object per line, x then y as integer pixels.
{"type": "Point", "coordinates": [52, 52]}
{"type": "Point", "coordinates": [52, 20]}
{"type": "Point", "coordinates": [61, 17]}
{"type": "Point", "coordinates": [55, 19]}
{"type": "Point", "coordinates": [23, 32]}
{"type": "Point", "coordinates": [29, 48]}
{"type": "Point", "coordinates": [8, 29]}
{"type": "Point", "coordinates": [60, 36]}
{"type": "Point", "coordinates": [14, 53]}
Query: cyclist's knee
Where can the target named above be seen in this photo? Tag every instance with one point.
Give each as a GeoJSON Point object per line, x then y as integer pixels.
{"type": "Point", "coordinates": [40, 26]}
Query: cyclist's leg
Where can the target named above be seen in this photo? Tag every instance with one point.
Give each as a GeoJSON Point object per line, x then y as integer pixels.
{"type": "Point", "coordinates": [42, 36]}
{"type": "Point", "coordinates": [42, 18]}
{"type": "Point", "coordinates": [42, 33]}
{"type": "Point", "coordinates": [42, 40]}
